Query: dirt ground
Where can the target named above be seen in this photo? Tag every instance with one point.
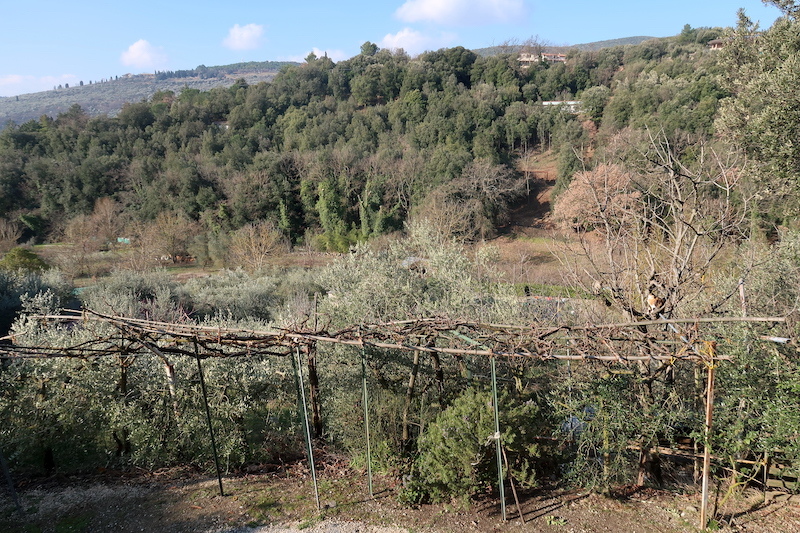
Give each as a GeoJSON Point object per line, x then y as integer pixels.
{"type": "Point", "coordinates": [177, 501]}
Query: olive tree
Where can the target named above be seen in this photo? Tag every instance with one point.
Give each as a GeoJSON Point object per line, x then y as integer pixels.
{"type": "Point", "coordinates": [658, 225]}
{"type": "Point", "coordinates": [762, 73]}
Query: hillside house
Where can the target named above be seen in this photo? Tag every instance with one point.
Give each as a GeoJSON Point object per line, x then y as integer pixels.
{"type": "Point", "coordinates": [526, 59]}
{"type": "Point", "coordinates": [554, 58]}
{"type": "Point", "coordinates": [570, 106]}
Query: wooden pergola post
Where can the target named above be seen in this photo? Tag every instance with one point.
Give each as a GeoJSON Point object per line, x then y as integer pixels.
{"type": "Point", "coordinates": [707, 435]}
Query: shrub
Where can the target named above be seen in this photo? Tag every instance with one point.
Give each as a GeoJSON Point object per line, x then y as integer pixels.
{"type": "Point", "coordinates": [22, 259]}
{"type": "Point", "coordinates": [457, 452]}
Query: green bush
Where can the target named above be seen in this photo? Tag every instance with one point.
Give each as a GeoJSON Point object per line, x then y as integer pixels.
{"type": "Point", "coordinates": [457, 454]}
{"type": "Point", "coordinates": [22, 259]}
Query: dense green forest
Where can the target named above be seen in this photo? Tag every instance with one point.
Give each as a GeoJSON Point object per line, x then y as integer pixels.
{"type": "Point", "coordinates": [338, 153]}
{"type": "Point", "coordinates": [677, 199]}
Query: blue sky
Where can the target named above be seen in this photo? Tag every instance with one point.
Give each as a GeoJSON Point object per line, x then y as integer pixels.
{"type": "Point", "coordinates": [50, 42]}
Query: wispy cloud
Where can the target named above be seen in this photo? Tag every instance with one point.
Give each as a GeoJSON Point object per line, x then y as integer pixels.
{"type": "Point", "coordinates": [415, 42]}
{"type": "Point", "coordinates": [143, 55]}
{"type": "Point", "coordinates": [461, 12]}
{"type": "Point", "coordinates": [247, 37]}
{"type": "Point", "coordinates": [14, 84]}
{"type": "Point", "coordinates": [10, 80]}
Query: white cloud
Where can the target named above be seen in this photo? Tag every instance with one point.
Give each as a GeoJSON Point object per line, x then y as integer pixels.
{"type": "Point", "coordinates": [335, 55]}
{"type": "Point", "coordinates": [143, 55]}
{"type": "Point", "coordinates": [414, 42]}
{"type": "Point", "coordinates": [461, 12]}
{"type": "Point", "coordinates": [247, 37]}
{"type": "Point", "coordinates": [12, 79]}
{"type": "Point", "coordinates": [15, 84]}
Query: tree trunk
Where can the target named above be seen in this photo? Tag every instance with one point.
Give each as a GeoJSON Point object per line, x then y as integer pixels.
{"type": "Point", "coordinates": [313, 387]}
{"type": "Point", "coordinates": [169, 369]}
{"type": "Point", "coordinates": [122, 440]}
{"type": "Point", "coordinates": [412, 379]}
{"type": "Point", "coordinates": [437, 367]}
{"type": "Point", "coordinates": [649, 466]}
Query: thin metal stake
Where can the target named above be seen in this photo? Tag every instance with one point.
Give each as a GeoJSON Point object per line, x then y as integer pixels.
{"type": "Point", "coordinates": [309, 449]}
{"type": "Point", "coordinates": [497, 439]}
{"type": "Point", "coordinates": [513, 487]}
{"type": "Point", "coordinates": [366, 418]}
{"type": "Point", "coordinates": [10, 482]}
{"type": "Point", "coordinates": [208, 418]}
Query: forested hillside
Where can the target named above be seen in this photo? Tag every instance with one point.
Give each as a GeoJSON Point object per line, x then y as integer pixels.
{"type": "Point", "coordinates": [107, 96]}
{"type": "Point", "coordinates": [676, 203]}
{"type": "Point", "coordinates": [339, 153]}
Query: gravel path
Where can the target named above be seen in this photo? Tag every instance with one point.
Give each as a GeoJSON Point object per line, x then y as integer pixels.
{"type": "Point", "coordinates": [326, 526]}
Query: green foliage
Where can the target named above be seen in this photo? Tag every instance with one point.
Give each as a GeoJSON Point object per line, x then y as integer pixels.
{"type": "Point", "coordinates": [20, 258]}
{"type": "Point", "coordinates": [119, 410]}
{"type": "Point", "coordinates": [594, 101]}
{"type": "Point", "coordinates": [456, 457]}
{"type": "Point", "coordinates": [20, 288]}
{"type": "Point", "coordinates": [758, 404]}
{"type": "Point", "coordinates": [339, 153]}
{"type": "Point", "coordinates": [234, 295]}
{"type": "Point", "coordinates": [603, 414]}
{"type": "Point", "coordinates": [762, 116]}
{"type": "Point", "coordinates": [152, 296]}
{"type": "Point", "coordinates": [457, 453]}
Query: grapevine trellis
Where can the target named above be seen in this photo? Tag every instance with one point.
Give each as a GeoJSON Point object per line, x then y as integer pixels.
{"type": "Point", "coordinates": [666, 341]}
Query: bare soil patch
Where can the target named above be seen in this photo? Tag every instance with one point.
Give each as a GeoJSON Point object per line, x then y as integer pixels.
{"type": "Point", "coordinates": [178, 501]}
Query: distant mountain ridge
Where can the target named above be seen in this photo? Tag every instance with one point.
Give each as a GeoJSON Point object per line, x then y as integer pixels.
{"type": "Point", "coordinates": [108, 97]}
{"type": "Point", "coordinates": [596, 45]}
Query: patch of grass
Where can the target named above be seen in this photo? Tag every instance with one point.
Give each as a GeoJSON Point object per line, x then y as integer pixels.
{"type": "Point", "coordinates": [265, 509]}
{"type": "Point", "coordinates": [203, 493]}
{"type": "Point", "coordinates": [551, 291]}
{"type": "Point", "coordinates": [543, 242]}
{"type": "Point", "coordinates": [15, 527]}
{"type": "Point", "coordinates": [325, 485]}
{"type": "Point", "coordinates": [74, 523]}
{"type": "Point", "coordinates": [311, 521]}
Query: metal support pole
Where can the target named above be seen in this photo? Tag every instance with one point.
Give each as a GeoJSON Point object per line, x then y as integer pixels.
{"type": "Point", "coordinates": [498, 445]}
{"type": "Point", "coordinates": [304, 410]}
{"type": "Point", "coordinates": [513, 487]}
{"type": "Point", "coordinates": [208, 419]}
{"type": "Point", "coordinates": [707, 444]}
{"type": "Point", "coordinates": [365, 402]}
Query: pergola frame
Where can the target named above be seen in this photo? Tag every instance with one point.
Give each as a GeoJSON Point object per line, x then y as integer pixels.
{"type": "Point", "coordinates": [619, 342]}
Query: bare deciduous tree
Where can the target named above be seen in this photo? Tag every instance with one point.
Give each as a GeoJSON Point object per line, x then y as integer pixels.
{"type": "Point", "coordinates": [470, 206]}
{"type": "Point", "coordinates": [597, 197]}
{"type": "Point", "coordinates": [166, 239]}
{"type": "Point", "coordinates": [88, 234]}
{"type": "Point", "coordinates": [663, 222]}
{"type": "Point", "coordinates": [253, 245]}
{"type": "Point", "coordinates": [10, 233]}
{"type": "Point", "coordinates": [453, 217]}
{"type": "Point", "coordinates": [108, 220]}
